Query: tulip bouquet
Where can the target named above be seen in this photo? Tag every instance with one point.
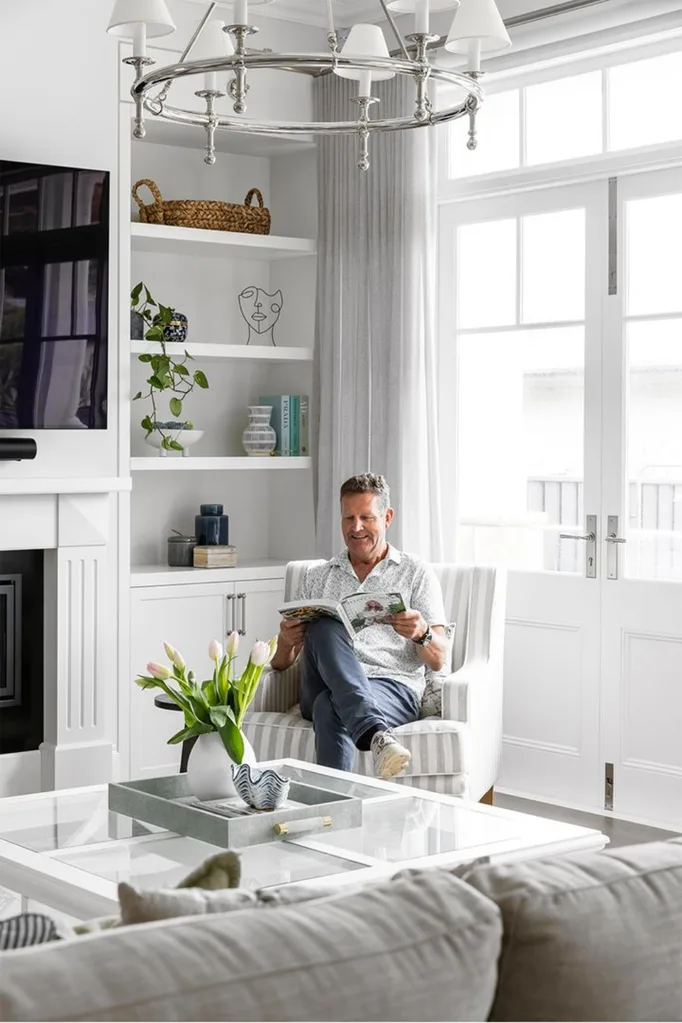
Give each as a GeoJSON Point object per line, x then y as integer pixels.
{"type": "Point", "coordinates": [218, 704]}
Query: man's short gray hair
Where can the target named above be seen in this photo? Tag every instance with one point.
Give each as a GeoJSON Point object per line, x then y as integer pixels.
{"type": "Point", "coordinates": [368, 483]}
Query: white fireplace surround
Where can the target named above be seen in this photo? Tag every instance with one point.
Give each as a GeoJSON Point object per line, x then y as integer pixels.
{"type": "Point", "coordinates": [80, 610]}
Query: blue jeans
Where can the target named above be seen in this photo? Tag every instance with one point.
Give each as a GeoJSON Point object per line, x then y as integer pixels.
{"type": "Point", "coordinates": [340, 700]}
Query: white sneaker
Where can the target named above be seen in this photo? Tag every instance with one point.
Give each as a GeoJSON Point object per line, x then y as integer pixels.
{"type": "Point", "coordinates": [390, 758]}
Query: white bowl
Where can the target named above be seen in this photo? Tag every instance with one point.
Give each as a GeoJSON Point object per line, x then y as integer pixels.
{"type": "Point", "coordinates": [185, 437]}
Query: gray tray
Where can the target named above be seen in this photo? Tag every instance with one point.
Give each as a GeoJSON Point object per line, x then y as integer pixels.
{"type": "Point", "coordinates": [168, 803]}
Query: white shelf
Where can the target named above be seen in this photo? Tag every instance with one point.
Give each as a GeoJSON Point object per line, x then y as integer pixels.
{"type": "Point", "coordinates": [15, 485]}
{"type": "Point", "coordinates": [177, 463]}
{"type": "Point", "coordinates": [163, 575]}
{"type": "Point", "coordinates": [265, 353]}
{"type": "Point", "coordinates": [188, 241]}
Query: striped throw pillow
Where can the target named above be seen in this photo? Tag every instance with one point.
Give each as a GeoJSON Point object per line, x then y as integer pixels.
{"type": "Point", "coordinates": [27, 929]}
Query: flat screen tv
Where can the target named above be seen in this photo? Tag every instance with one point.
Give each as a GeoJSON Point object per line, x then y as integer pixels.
{"type": "Point", "coordinates": [54, 274]}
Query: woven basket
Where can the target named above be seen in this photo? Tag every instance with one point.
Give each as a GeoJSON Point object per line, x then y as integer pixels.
{"type": "Point", "coordinates": [208, 214]}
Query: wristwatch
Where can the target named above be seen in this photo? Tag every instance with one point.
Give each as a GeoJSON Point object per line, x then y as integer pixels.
{"type": "Point", "coordinates": [426, 638]}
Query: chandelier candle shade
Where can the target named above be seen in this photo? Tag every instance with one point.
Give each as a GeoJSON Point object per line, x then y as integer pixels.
{"type": "Point", "coordinates": [219, 54]}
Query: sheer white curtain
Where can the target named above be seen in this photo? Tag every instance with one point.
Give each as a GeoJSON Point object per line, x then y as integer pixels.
{"type": "Point", "coordinates": [375, 369]}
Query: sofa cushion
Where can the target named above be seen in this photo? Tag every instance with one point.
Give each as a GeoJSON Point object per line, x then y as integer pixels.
{"type": "Point", "coordinates": [436, 744]}
{"type": "Point", "coordinates": [594, 936]}
{"type": "Point", "coordinates": [419, 948]}
{"type": "Point", "coordinates": [27, 929]}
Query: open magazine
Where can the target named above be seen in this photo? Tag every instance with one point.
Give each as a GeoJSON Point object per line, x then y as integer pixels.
{"type": "Point", "coordinates": [356, 612]}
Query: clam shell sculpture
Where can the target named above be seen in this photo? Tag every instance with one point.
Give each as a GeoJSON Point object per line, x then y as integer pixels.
{"type": "Point", "coordinates": [262, 789]}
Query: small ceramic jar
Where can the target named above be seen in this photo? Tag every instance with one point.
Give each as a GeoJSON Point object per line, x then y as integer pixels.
{"type": "Point", "coordinates": [181, 551]}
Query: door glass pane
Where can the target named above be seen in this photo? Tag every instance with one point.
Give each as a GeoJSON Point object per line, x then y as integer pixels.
{"type": "Point", "coordinates": [654, 459]}
{"type": "Point", "coordinates": [653, 227]}
{"type": "Point", "coordinates": [520, 448]}
{"type": "Point", "coordinates": [564, 119]}
{"type": "Point", "coordinates": [553, 267]}
{"type": "Point", "coordinates": [637, 119]}
{"type": "Point", "coordinates": [498, 138]}
{"type": "Point", "coordinates": [486, 274]}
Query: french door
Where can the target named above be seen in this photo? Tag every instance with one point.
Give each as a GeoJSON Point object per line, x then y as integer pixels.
{"type": "Point", "coordinates": [562, 342]}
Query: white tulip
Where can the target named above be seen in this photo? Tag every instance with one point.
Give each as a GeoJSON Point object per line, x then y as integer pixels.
{"type": "Point", "coordinates": [215, 650]}
{"type": "Point", "coordinates": [232, 644]}
{"type": "Point", "coordinates": [159, 671]}
{"type": "Point", "coordinates": [260, 654]}
{"type": "Point", "coordinates": [174, 655]}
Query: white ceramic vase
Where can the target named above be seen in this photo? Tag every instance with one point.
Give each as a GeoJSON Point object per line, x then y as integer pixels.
{"type": "Point", "coordinates": [259, 437]}
{"type": "Point", "coordinates": [209, 770]}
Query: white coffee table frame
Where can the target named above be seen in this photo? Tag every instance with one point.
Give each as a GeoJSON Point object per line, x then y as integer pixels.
{"type": "Point", "coordinates": [43, 877]}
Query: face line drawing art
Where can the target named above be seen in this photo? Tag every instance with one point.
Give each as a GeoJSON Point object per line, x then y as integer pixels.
{"type": "Point", "coordinates": [260, 312]}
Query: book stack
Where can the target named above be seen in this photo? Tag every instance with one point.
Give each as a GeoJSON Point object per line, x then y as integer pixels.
{"type": "Point", "coordinates": [291, 422]}
{"type": "Point", "coordinates": [215, 556]}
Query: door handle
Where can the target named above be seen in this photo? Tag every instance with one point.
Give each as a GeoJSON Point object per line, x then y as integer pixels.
{"type": "Point", "coordinates": [230, 609]}
{"type": "Point", "coordinates": [590, 540]}
{"type": "Point", "coordinates": [242, 598]}
{"type": "Point", "coordinates": [613, 540]}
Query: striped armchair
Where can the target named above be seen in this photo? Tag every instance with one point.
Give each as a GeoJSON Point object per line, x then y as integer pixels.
{"type": "Point", "coordinates": [458, 751]}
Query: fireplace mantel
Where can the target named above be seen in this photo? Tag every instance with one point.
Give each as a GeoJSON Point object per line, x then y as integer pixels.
{"type": "Point", "coordinates": [10, 486]}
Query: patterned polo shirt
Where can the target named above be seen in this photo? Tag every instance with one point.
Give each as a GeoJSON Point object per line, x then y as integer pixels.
{"type": "Point", "coordinates": [380, 650]}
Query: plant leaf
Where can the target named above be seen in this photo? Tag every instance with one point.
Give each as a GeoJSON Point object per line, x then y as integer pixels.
{"type": "Point", "coordinates": [145, 682]}
{"type": "Point", "coordinates": [219, 717]}
{"type": "Point", "coordinates": [180, 369]}
{"type": "Point", "coordinates": [175, 406]}
{"type": "Point", "coordinates": [138, 395]}
{"type": "Point", "coordinates": [155, 382]}
{"type": "Point", "coordinates": [233, 740]}
{"type": "Point", "coordinates": [144, 358]}
{"type": "Point", "coordinates": [184, 733]}
{"type": "Point", "coordinates": [135, 294]}
{"type": "Point", "coordinates": [154, 334]}
{"type": "Point", "coordinates": [200, 378]}
{"type": "Point", "coordinates": [146, 424]}
{"type": "Point", "coordinates": [187, 355]}
{"type": "Point", "coordinates": [150, 300]}
{"type": "Point", "coordinates": [176, 446]}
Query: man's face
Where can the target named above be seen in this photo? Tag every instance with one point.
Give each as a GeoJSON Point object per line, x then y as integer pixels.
{"type": "Point", "coordinates": [364, 526]}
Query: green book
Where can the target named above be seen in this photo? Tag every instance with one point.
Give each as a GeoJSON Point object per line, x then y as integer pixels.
{"type": "Point", "coordinates": [303, 425]}
{"type": "Point", "coordinates": [280, 420]}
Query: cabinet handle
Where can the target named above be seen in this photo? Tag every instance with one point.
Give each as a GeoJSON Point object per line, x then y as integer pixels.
{"type": "Point", "coordinates": [230, 617]}
{"type": "Point", "coordinates": [242, 597]}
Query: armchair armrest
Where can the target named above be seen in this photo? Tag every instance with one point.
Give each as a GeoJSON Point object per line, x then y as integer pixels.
{"type": "Point", "coordinates": [473, 695]}
{"type": "Point", "coordinates": [278, 690]}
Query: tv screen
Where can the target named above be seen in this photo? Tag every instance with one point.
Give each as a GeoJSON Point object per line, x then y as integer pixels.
{"type": "Point", "coordinates": [54, 273]}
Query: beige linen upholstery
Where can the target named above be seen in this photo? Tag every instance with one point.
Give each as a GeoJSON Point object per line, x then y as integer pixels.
{"type": "Point", "coordinates": [593, 936]}
{"type": "Point", "coordinates": [418, 948]}
{"type": "Point", "coordinates": [457, 753]}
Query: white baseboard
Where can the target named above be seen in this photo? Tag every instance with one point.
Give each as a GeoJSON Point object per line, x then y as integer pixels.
{"type": "Point", "coordinates": [20, 773]}
{"type": "Point", "coordinates": [595, 811]}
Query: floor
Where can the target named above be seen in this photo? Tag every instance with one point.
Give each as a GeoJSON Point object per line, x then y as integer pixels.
{"type": "Point", "coordinates": [620, 832]}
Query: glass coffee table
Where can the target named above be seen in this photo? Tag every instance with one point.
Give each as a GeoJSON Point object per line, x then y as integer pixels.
{"type": "Point", "coordinates": [67, 851]}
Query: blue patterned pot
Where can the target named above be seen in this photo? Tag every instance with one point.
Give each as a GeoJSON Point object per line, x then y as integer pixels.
{"type": "Point", "coordinates": [263, 790]}
{"type": "Point", "coordinates": [176, 330]}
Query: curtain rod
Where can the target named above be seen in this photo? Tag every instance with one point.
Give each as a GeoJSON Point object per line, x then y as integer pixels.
{"type": "Point", "coordinates": [567, 7]}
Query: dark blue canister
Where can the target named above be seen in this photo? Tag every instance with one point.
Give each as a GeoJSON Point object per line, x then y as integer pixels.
{"type": "Point", "coordinates": [211, 527]}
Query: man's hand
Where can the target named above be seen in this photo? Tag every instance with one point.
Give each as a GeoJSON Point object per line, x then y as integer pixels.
{"type": "Point", "coordinates": [291, 633]}
{"type": "Point", "coordinates": [408, 624]}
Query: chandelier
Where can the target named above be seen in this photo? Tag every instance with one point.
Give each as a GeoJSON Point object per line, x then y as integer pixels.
{"type": "Point", "coordinates": [220, 50]}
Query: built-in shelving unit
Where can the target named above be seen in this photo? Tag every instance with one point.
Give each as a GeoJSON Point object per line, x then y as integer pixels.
{"type": "Point", "coordinates": [162, 575]}
{"type": "Point", "coordinates": [190, 241]}
{"type": "Point", "coordinates": [176, 463]}
{"type": "Point", "coordinates": [253, 353]}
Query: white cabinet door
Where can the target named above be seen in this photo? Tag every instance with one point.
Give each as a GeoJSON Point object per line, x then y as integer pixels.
{"type": "Point", "coordinates": [188, 618]}
{"type": "Point", "coordinates": [255, 612]}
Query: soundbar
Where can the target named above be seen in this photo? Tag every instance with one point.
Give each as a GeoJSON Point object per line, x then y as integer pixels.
{"type": "Point", "coordinates": [15, 449]}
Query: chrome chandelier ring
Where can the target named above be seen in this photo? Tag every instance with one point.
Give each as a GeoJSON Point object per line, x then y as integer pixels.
{"type": "Point", "coordinates": [310, 63]}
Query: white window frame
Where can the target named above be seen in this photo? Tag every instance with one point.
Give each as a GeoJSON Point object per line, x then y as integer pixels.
{"type": "Point", "coordinates": [603, 165]}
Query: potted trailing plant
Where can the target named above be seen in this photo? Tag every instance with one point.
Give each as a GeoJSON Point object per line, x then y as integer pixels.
{"type": "Point", "coordinates": [168, 374]}
{"type": "Point", "coordinates": [214, 711]}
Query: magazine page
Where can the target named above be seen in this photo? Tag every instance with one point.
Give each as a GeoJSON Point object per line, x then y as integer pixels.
{"type": "Point", "coordinates": [309, 610]}
{"type": "Point", "coordinates": [364, 609]}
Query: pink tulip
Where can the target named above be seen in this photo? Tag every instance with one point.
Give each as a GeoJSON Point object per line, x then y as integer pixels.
{"type": "Point", "coordinates": [174, 656]}
{"type": "Point", "coordinates": [232, 644]}
{"type": "Point", "coordinates": [215, 650]}
{"type": "Point", "coordinates": [260, 654]}
{"type": "Point", "coordinates": [159, 671]}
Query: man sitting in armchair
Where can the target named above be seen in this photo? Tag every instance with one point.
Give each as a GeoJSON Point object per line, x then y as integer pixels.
{"type": "Point", "coordinates": [355, 694]}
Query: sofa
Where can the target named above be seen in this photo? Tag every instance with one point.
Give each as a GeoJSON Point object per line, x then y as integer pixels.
{"type": "Point", "coordinates": [592, 936]}
{"type": "Point", "coordinates": [456, 744]}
